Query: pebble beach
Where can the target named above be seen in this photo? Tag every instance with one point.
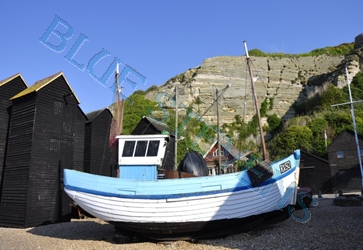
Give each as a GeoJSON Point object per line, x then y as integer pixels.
{"type": "Point", "coordinates": [329, 227]}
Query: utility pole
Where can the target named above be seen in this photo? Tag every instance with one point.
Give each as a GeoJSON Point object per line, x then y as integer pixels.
{"type": "Point", "coordinates": [206, 111]}
{"type": "Point", "coordinates": [218, 136]}
{"type": "Point", "coordinates": [176, 128]}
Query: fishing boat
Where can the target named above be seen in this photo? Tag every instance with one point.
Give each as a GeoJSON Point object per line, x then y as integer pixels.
{"type": "Point", "coordinates": [148, 201]}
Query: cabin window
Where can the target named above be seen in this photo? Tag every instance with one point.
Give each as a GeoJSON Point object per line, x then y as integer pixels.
{"type": "Point", "coordinates": [128, 149]}
{"type": "Point", "coordinates": [140, 148]}
{"type": "Point", "coordinates": [153, 148]}
{"type": "Point", "coordinates": [361, 151]}
{"type": "Point", "coordinates": [340, 154]}
{"type": "Point", "coordinates": [148, 148]}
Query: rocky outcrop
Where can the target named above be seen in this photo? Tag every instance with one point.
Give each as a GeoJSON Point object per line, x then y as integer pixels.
{"type": "Point", "coordinates": [283, 81]}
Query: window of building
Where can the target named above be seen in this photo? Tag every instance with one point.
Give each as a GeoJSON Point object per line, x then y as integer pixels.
{"type": "Point", "coordinates": [54, 144]}
{"type": "Point", "coordinates": [215, 153]}
{"type": "Point", "coordinates": [340, 154]}
{"type": "Point", "coordinates": [57, 108]}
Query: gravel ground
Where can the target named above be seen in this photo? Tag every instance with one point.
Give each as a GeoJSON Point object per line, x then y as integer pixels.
{"type": "Point", "coordinates": [329, 227]}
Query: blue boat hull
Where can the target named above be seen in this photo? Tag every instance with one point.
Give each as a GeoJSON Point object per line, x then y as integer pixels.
{"type": "Point", "coordinates": [196, 207]}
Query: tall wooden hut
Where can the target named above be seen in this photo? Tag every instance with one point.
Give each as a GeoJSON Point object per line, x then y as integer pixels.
{"type": "Point", "coordinates": [97, 153]}
{"type": "Point", "coordinates": [315, 173]}
{"type": "Point", "coordinates": [149, 126]}
{"type": "Point", "coordinates": [8, 88]}
{"type": "Point", "coordinates": [46, 135]}
{"type": "Point", "coordinates": [344, 161]}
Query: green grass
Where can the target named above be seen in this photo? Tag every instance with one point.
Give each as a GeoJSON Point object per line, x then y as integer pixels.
{"type": "Point", "coordinates": [339, 50]}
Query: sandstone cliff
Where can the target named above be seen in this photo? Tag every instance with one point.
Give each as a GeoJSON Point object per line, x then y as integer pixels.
{"type": "Point", "coordinates": [284, 80]}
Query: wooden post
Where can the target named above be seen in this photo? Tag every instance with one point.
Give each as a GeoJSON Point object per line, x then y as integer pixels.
{"type": "Point", "coordinates": [218, 136]}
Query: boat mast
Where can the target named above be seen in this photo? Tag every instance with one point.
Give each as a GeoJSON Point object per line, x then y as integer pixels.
{"type": "Point", "coordinates": [117, 99]}
{"type": "Point", "coordinates": [120, 111]}
{"type": "Point", "coordinates": [265, 156]}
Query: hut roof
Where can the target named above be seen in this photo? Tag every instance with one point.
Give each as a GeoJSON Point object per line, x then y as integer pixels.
{"type": "Point", "coordinates": [83, 114]}
{"type": "Point", "coordinates": [159, 125]}
{"type": "Point", "coordinates": [93, 115]}
{"type": "Point", "coordinates": [5, 81]}
{"type": "Point", "coordinates": [345, 131]}
{"type": "Point", "coordinates": [315, 156]}
{"type": "Point", "coordinates": [42, 83]}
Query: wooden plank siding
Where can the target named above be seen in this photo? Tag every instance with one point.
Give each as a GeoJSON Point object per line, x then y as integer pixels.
{"type": "Point", "coordinates": [15, 187]}
{"type": "Point", "coordinates": [97, 156]}
{"type": "Point", "coordinates": [344, 142]}
{"type": "Point", "coordinates": [79, 140]}
{"type": "Point", "coordinates": [8, 88]}
{"type": "Point", "coordinates": [345, 169]}
{"type": "Point", "coordinates": [315, 173]}
{"type": "Point", "coordinates": [47, 124]}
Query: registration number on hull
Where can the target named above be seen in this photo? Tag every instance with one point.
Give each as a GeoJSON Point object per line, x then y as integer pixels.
{"type": "Point", "coordinates": [285, 166]}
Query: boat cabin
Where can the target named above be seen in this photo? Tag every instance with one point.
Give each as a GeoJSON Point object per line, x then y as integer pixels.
{"type": "Point", "coordinates": [140, 156]}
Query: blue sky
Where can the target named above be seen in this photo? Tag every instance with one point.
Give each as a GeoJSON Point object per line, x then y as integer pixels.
{"type": "Point", "coordinates": [158, 39]}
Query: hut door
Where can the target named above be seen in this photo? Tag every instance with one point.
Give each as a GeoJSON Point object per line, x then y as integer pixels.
{"type": "Point", "coordinates": [66, 161]}
{"type": "Point", "coordinates": [307, 177]}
